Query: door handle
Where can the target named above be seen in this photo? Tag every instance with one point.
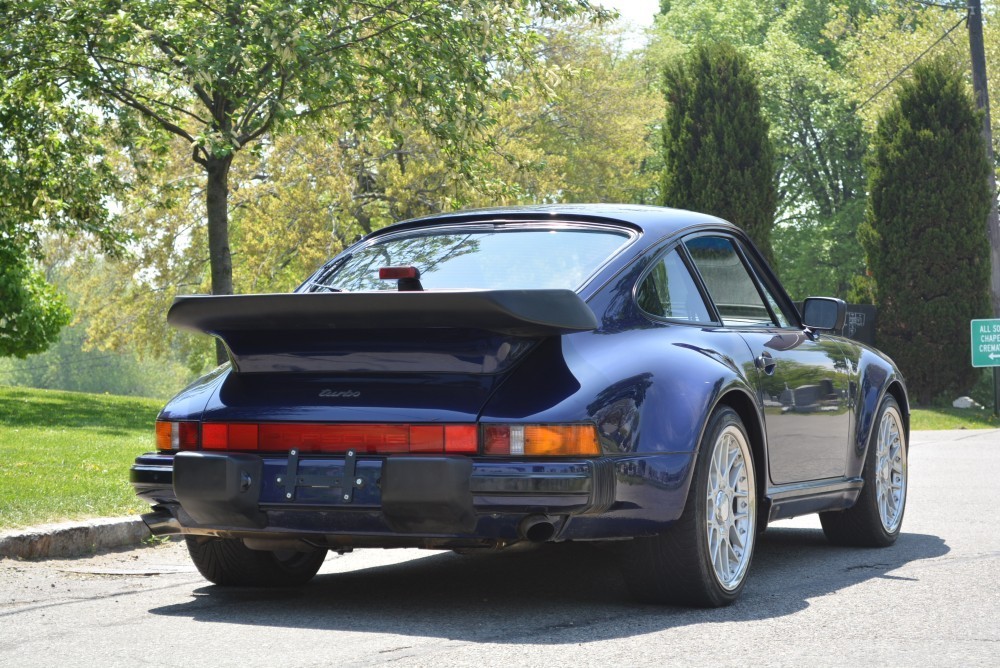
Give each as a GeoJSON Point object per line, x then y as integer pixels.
{"type": "Point", "coordinates": [766, 363]}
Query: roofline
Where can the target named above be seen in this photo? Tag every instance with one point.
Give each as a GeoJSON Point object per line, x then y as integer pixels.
{"type": "Point", "coordinates": [636, 216]}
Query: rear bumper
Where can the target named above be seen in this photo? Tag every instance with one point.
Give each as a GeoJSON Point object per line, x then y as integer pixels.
{"type": "Point", "coordinates": [429, 501]}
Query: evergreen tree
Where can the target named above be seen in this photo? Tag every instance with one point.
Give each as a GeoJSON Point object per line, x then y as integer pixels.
{"type": "Point", "coordinates": [718, 158]}
{"type": "Point", "coordinates": [925, 230]}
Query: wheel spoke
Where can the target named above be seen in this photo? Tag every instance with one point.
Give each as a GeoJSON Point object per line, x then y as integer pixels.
{"type": "Point", "coordinates": [730, 507]}
{"type": "Point", "coordinates": [890, 471]}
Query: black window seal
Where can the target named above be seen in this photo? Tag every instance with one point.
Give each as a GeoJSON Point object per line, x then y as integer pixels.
{"type": "Point", "coordinates": [658, 255]}
{"type": "Point", "coordinates": [738, 246]}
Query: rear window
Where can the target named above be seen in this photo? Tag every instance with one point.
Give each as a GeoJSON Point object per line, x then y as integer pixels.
{"type": "Point", "coordinates": [490, 259]}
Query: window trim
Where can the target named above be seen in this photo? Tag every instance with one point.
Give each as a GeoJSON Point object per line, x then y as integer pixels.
{"type": "Point", "coordinates": [699, 285]}
{"type": "Point", "coordinates": [740, 245]}
{"type": "Point", "coordinates": [315, 282]}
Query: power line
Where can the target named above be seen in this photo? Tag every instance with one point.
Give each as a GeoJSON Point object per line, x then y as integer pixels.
{"type": "Point", "coordinates": [807, 151]}
{"type": "Point", "coordinates": [912, 62]}
{"type": "Point", "coordinates": [927, 3]}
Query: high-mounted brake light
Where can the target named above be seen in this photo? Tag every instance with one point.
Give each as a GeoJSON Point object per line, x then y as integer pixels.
{"type": "Point", "coordinates": [176, 435]}
{"type": "Point", "coordinates": [540, 440]}
{"type": "Point", "coordinates": [389, 273]}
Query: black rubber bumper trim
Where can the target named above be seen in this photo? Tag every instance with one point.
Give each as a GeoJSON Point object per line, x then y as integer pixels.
{"type": "Point", "coordinates": [428, 494]}
{"type": "Point", "coordinates": [220, 489]}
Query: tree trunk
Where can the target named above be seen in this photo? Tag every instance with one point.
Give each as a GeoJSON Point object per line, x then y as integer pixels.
{"type": "Point", "coordinates": [220, 258]}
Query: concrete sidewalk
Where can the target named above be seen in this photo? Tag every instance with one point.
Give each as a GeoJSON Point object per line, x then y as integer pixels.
{"type": "Point", "coordinates": [72, 539]}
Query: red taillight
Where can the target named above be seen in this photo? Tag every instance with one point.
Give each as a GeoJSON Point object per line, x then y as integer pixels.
{"type": "Point", "coordinates": [532, 440]}
{"type": "Point", "coordinates": [335, 438]}
{"type": "Point", "coordinates": [222, 436]}
{"type": "Point", "coordinates": [176, 435]}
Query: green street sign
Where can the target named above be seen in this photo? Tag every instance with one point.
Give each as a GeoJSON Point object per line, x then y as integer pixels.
{"type": "Point", "coordinates": [986, 342]}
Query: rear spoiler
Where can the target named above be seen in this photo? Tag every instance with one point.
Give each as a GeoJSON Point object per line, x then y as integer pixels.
{"type": "Point", "coordinates": [527, 313]}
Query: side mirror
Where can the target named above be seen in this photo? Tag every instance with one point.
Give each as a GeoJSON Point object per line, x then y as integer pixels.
{"type": "Point", "coordinates": [824, 313]}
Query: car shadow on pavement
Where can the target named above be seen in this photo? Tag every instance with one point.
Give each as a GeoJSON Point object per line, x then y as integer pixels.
{"type": "Point", "coordinates": [556, 594]}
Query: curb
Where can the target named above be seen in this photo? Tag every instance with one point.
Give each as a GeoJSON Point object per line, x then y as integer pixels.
{"type": "Point", "coordinates": [72, 539]}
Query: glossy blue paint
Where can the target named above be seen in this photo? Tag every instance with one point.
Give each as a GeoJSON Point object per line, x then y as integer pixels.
{"type": "Point", "coordinates": [650, 386]}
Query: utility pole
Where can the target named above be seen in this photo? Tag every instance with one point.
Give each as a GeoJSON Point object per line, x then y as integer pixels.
{"type": "Point", "coordinates": [975, 23]}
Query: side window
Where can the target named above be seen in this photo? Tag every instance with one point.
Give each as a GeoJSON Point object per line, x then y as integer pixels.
{"type": "Point", "coordinates": [730, 285]}
{"type": "Point", "coordinates": [785, 319]}
{"type": "Point", "coordinates": [669, 291]}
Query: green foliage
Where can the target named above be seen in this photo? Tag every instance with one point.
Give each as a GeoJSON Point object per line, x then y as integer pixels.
{"type": "Point", "coordinates": [717, 154]}
{"type": "Point", "coordinates": [878, 47]}
{"type": "Point", "coordinates": [817, 137]}
{"type": "Point", "coordinates": [53, 178]}
{"type": "Point", "coordinates": [299, 197]}
{"type": "Point", "coordinates": [925, 230]}
{"type": "Point", "coordinates": [31, 311]}
{"type": "Point", "coordinates": [590, 139]}
{"type": "Point", "coordinates": [65, 455]}
{"type": "Point", "coordinates": [221, 75]}
{"type": "Point", "coordinates": [67, 365]}
{"type": "Point", "coordinates": [821, 255]}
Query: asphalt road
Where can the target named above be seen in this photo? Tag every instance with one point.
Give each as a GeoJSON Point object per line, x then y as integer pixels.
{"type": "Point", "coordinates": [931, 600]}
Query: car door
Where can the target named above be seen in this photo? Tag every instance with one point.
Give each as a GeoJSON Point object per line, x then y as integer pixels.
{"type": "Point", "coordinates": [802, 379]}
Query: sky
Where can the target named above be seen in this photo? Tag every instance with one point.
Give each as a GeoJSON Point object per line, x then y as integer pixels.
{"type": "Point", "coordinates": [638, 15]}
{"type": "Point", "coordinates": [639, 12]}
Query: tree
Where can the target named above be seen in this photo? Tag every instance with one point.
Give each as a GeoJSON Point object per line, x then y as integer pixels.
{"type": "Point", "coordinates": [796, 47]}
{"type": "Point", "coordinates": [53, 179]}
{"type": "Point", "coordinates": [302, 196]}
{"type": "Point", "coordinates": [31, 311]}
{"type": "Point", "coordinates": [924, 233]}
{"type": "Point", "coordinates": [221, 74]}
{"type": "Point", "coordinates": [597, 128]}
{"type": "Point", "coordinates": [717, 154]}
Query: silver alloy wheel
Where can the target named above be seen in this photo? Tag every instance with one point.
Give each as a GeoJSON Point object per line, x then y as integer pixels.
{"type": "Point", "coordinates": [890, 470]}
{"type": "Point", "coordinates": [731, 508]}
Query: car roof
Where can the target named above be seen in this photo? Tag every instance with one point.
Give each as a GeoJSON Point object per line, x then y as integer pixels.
{"type": "Point", "coordinates": [654, 221]}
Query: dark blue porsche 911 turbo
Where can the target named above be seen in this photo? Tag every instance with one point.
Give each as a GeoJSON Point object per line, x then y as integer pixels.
{"type": "Point", "coordinates": [554, 373]}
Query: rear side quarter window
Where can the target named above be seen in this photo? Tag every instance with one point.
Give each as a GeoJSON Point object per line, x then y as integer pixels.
{"type": "Point", "coordinates": [669, 291]}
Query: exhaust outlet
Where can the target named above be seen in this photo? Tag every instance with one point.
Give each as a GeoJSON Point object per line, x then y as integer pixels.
{"type": "Point", "coordinates": [161, 523]}
{"type": "Point", "coordinates": [537, 528]}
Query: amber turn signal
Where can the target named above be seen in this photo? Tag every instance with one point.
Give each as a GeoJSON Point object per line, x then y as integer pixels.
{"type": "Point", "coordinates": [541, 440]}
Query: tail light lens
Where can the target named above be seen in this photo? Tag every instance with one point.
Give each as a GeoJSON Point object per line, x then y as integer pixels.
{"type": "Point", "coordinates": [334, 438]}
{"type": "Point", "coordinates": [176, 435]}
{"type": "Point", "coordinates": [541, 440]}
{"type": "Point", "coordinates": [532, 440]}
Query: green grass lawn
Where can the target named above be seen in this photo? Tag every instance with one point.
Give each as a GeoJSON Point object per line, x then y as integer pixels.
{"type": "Point", "coordinates": [66, 455]}
{"type": "Point", "coordinates": [952, 418]}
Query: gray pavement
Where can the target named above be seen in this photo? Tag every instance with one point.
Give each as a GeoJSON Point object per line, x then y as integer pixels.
{"type": "Point", "coordinates": [928, 601]}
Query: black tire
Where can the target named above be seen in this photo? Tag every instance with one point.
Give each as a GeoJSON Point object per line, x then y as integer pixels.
{"type": "Point", "coordinates": [229, 563]}
{"type": "Point", "coordinates": [876, 518]}
{"type": "Point", "coordinates": [677, 567]}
